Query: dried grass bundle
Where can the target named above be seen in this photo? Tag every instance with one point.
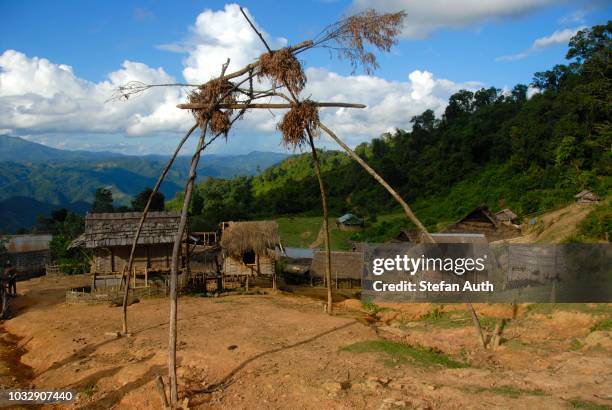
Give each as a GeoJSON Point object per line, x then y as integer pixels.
{"type": "Point", "coordinates": [352, 33]}
{"type": "Point", "coordinates": [282, 68]}
{"type": "Point", "coordinates": [296, 121]}
{"type": "Point", "coordinates": [212, 93]}
{"type": "Point", "coordinates": [220, 122]}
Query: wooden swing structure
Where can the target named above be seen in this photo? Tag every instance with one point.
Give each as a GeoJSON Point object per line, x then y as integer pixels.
{"type": "Point", "coordinates": [217, 104]}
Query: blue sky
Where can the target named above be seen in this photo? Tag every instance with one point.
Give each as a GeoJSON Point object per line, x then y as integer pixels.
{"type": "Point", "coordinates": [447, 45]}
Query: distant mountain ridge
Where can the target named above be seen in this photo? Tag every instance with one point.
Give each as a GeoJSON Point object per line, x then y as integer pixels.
{"type": "Point", "coordinates": [36, 177]}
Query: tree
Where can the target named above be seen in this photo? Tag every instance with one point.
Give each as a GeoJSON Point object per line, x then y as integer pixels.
{"type": "Point", "coordinates": [103, 201]}
{"type": "Point", "coordinates": [157, 200]}
{"type": "Point", "coordinates": [593, 49]}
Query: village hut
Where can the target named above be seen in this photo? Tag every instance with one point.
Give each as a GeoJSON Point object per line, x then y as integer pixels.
{"type": "Point", "coordinates": [249, 248]}
{"type": "Point", "coordinates": [28, 253]}
{"type": "Point", "coordinates": [110, 236]}
{"type": "Point", "coordinates": [481, 220]}
{"type": "Point", "coordinates": [506, 216]}
{"type": "Point", "coordinates": [586, 197]}
{"type": "Point", "coordinates": [346, 267]}
{"type": "Point", "coordinates": [349, 222]}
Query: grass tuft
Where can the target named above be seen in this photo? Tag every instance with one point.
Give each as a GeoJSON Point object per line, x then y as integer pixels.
{"type": "Point", "coordinates": [587, 405]}
{"type": "Point", "coordinates": [398, 353]}
{"type": "Point", "coordinates": [605, 324]}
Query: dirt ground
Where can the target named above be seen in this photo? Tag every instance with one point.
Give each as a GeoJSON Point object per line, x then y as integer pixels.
{"type": "Point", "coordinates": [282, 351]}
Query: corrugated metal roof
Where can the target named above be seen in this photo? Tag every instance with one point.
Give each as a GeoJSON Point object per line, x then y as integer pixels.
{"type": "Point", "coordinates": [28, 243]}
{"type": "Point", "coordinates": [349, 218]}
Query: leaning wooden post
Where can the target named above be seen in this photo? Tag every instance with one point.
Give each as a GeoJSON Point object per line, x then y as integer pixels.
{"type": "Point", "coordinates": [145, 212]}
{"type": "Point", "coordinates": [411, 216]}
{"type": "Point", "coordinates": [174, 268]}
{"type": "Point", "coordinates": [317, 164]}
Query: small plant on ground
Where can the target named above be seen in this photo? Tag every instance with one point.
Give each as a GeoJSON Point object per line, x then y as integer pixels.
{"type": "Point", "coordinates": [605, 324]}
{"type": "Point", "coordinates": [372, 307]}
{"type": "Point", "coordinates": [399, 353]}
{"type": "Point", "coordinates": [587, 405]}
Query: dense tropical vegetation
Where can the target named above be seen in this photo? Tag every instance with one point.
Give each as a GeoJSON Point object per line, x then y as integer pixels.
{"type": "Point", "coordinates": [531, 149]}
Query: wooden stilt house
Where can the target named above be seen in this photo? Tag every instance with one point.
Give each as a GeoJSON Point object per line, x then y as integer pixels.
{"type": "Point", "coordinates": [110, 236]}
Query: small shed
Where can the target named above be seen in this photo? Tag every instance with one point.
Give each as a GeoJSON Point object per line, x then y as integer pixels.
{"type": "Point", "coordinates": [249, 248]}
{"type": "Point", "coordinates": [110, 235]}
{"type": "Point", "coordinates": [28, 253]}
{"type": "Point", "coordinates": [506, 216]}
{"type": "Point", "coordinates": [586, 197]}
{"type": "Point", "coordinates": [345, 266]}
{"type": "Point", "coordinates": [349, 222]}
{"type": "Point", "coordinates": [482, 221]}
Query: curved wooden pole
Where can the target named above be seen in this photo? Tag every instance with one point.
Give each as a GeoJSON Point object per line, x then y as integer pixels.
{"type": "Point", "coordinates": [145, 212]}
{"type": "Point", "coordinates": [175, 267]}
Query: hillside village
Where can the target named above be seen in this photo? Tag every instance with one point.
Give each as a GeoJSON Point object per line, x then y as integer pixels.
{"type": "Point", "coordinates": [269, 268]}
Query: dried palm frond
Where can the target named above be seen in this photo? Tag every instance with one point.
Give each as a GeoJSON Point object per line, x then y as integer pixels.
{"type": "Point", "coordinates": [350, 35]}
{"type": "Point", "coordinates": [300, 118]}
{"type": "Point", "coordinates": [282, 68]}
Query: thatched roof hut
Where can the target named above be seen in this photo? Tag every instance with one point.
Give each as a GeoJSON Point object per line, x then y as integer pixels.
{"type": "Point", "coordinates": [249, 247]}
{"type": "Point", "coordinates": [254, 236]}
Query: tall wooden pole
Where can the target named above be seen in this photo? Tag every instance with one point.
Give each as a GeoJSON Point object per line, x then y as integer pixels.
{"type": "Point", "coordinates": [317, 164]}
{"type": "Point", "coordinates": [145, 212]}
{"type": "Point", "coordinates": [175, 267]}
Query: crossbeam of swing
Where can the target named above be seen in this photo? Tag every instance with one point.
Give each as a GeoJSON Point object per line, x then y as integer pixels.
{"type": "Point", "coordinates": [238, 106]}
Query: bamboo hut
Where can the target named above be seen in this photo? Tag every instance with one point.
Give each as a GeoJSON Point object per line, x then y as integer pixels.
{"type": "Point", "coordinates": [346, 267]}
{"type": "Point", "coordinates": [28, 253]}
{"type": "Point", "coordinates": [586, 197]}
{"type": "Point", "coordinates": [249, 248]}
{"type": "Point", "coordinates": [506, 216]}
{"type": "Point", "coordinates": [482, 221]}
{"type": "Point", "coordinates": [110, 236]}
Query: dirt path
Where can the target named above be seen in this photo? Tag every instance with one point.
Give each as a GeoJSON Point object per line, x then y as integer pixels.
{"type": "Point", "coordinates": [319, 239]}
{"type": "Point", "coordinates": [282, 351]}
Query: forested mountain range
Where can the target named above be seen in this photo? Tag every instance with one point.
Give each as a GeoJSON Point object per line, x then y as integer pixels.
{"type": "Point", "coordinates": [35, 179]}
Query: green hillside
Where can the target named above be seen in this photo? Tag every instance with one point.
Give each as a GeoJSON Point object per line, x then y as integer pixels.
{"type": "Point", "coordinates": [509, 149]}
{"type": "Point", "coordinates": [35, 179]}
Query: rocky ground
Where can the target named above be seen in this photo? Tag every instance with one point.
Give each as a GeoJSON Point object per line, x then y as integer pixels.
{"type": "Point", "coordinates": [283, 351]}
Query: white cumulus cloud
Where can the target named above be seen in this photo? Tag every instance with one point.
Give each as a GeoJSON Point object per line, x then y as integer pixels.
{"type": "Point", "coordinates": [37, 95]}
{"type": "Point", "coordinates": [556, 38]}
{"type": "Point", "coordinates": [426, 16]}
{"type": "Point", "coordinates": [43, 99]}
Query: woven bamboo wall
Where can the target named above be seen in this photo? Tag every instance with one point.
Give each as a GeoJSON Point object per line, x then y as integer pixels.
{"type": "Point", "coordinates": [232, 266]}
